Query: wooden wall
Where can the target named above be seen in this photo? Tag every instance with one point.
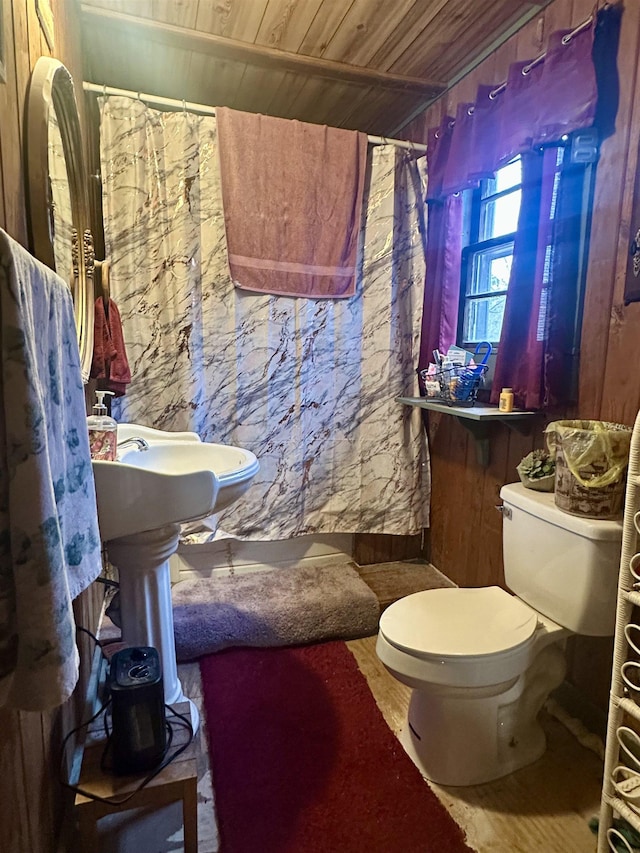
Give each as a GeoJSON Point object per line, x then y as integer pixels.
{"type": "Point", "coordinates": [465, 528]}
{"type": "Point", "coordinates": [465, 535]}
{"type": "Point", "coordinates": [32, 800]}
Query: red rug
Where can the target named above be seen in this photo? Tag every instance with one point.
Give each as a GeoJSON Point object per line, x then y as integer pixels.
{"type": "Point", "coordinates": [303, 761]}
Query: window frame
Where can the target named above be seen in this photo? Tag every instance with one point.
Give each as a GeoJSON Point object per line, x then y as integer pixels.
{"type": "Point", "coordinates": [473, 201]}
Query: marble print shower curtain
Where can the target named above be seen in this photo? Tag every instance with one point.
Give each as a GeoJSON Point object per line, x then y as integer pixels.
{"type": "Point", "coordinates": [307, 385]}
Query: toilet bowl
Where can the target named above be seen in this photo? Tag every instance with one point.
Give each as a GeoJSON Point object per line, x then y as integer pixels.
{"type": "Point", "coordinates": [480, 674]}
{"type": "Point", "coordinates": [481, 662]}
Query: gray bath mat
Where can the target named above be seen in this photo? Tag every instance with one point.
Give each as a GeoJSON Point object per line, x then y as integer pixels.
{"type": "Point", "coordinates": [279, 607]}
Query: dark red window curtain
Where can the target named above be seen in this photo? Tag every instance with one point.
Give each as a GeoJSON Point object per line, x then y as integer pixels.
{"type": "Point", "coordinates": [442, 278]}
{"type": "Point", "coordinates": [543, 101]}
{"type": "Point", "coordinates": [561, 352]}
{"type": "Point", "coordinates": [443, 250]}
{"type": "Point", "coordinates": [520, 363]}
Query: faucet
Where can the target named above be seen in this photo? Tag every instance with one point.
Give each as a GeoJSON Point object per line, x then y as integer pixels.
{"type": "Point", "coordinates": [139, 442]}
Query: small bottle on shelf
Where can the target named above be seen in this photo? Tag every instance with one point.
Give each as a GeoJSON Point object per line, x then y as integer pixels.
{"type": "Point", "coordinates": [506, 400]}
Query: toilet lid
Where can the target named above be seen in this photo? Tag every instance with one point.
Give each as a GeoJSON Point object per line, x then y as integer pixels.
{"type": "Point", "coordinates": [458, 621]}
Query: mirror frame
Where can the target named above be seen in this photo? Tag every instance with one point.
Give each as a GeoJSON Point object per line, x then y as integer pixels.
{"type": "Point", "coordinates": [51, 87]}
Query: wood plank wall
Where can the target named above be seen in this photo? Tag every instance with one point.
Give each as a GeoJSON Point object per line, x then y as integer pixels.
{"type": "Point", "coordinates": [32, 800]}
{"type": "Point", "coordinates": [465, 528]}
{"type": "Point", "coordinates": [465, 531]}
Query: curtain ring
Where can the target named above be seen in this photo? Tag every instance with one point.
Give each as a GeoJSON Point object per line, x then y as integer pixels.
{"type": "Point", "coordinates": [437, 134]}
{"type": "Point", "coordinates": [184, 106]}
{"type": "Point", "coordinates": [526, 70]}
{"type": "Point", "coordinates": [566, 39]}
{"type": "Point", "coordinates": [493, 95]}
{"type": "Point", "coordinates": [471, 111]}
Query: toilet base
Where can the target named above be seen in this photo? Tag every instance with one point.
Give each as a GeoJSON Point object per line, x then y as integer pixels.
{"type": "Point", "coordinates": [456, 736]}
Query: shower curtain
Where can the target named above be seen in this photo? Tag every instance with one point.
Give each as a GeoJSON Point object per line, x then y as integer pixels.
{"type": "Point", "coordinates": [308, 385]}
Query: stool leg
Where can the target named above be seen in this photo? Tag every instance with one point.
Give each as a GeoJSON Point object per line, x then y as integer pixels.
{"type": "Point", "coordinates": [190, 815]}
{"type": "Point", "coordinates": [88, 826]}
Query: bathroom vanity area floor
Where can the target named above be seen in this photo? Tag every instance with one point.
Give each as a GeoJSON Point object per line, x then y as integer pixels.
{"type": "Point", "coordinates": [543, 807]}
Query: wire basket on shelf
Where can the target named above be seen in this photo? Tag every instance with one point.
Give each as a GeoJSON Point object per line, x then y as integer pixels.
{"type": "Point", "coordinates": [454, 386]}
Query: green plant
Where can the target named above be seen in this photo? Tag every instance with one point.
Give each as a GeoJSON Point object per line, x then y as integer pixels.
{"type": "Point", "coordinates": [536, 465]}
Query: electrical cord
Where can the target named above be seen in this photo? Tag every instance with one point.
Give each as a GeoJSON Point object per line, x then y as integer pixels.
{"type": "Point", "coordinates": [181, 721]}
{"type": "Point", "coordinates": [119, 801]}
{"type": "Point", "coordinates": [94, 638]}
{"type": "Point", "coordinates": [108, 582]}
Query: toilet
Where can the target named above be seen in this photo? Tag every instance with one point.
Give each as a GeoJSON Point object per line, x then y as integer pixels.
{"type": "Point", "coordinates": [481, 662]}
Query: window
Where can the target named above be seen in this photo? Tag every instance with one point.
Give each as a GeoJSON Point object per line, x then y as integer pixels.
{"type": "Point", "coordinates": [491, 221]}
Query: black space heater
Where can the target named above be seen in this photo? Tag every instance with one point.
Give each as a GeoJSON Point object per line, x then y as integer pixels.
{"type": "Point", "coordinates": [138, 726]}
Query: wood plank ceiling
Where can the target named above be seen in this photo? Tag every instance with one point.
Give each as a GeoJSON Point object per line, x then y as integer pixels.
{"type": "Point", "coordinates": [364, 64]}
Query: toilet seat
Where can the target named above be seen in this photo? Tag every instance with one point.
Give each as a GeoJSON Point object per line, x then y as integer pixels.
{"type": "Point", "coordinates": [457, 622]}
{"type": "Point", "coordinates": [457, 637]}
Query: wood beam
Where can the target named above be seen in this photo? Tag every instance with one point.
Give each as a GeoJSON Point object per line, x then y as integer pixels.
{"type": "Point", "coordinates": [97, 20]}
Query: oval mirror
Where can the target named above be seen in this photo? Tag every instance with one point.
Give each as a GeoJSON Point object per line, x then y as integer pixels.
{"type": "Point", "coordinates": [59, 218]}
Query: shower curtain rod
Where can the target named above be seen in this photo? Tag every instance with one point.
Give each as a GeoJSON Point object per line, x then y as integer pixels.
{"type": "Point", "coordinates": [156, 100]}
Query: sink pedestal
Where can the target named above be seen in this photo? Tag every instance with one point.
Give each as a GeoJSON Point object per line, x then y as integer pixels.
{"type": "Point", "coordinates": [146, 610]}
{"type": "Point", "coordinates": [142, 498]}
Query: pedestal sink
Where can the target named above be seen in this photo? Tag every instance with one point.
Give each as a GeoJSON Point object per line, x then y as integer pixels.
{"type": "Point", "coordinates": [142, 499]}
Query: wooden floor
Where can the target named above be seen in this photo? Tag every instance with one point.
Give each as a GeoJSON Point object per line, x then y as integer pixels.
{"type": "Point", "coordinates": [544, 808]}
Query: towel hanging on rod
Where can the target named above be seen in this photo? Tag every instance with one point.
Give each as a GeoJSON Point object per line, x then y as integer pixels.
{"type": "Point", "coordinates": [103, 289]}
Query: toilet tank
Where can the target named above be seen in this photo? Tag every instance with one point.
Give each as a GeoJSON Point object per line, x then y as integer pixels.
{"type": "Point", "coordinates": [564, 566]}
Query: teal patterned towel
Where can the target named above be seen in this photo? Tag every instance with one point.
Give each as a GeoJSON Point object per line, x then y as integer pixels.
{"type": "Point", "coordinates": [49, 540]}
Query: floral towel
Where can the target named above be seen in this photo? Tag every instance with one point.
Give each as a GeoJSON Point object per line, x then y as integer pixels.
{"type": "Point", "coordinates": [49, 540]}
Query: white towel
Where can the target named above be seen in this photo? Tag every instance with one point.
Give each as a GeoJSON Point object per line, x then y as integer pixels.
{"type": "Point", "coordinates": [49, 539]}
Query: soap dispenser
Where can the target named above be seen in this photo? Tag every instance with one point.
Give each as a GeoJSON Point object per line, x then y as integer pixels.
{"type": "Point", "coordinates": [103, 430]}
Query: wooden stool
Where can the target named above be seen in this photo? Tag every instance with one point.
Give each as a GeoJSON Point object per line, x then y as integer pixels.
{"type": "Point", "coordinates": [177, 781]}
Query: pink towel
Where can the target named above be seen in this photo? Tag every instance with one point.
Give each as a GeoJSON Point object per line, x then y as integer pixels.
{"type": "Point", "coordinates": [109, 355]}
{"type": "Point", "coordinates": [292, 196]}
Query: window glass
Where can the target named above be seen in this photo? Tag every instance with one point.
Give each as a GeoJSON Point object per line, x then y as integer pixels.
{"type": "Point", "coordinates": [490, 270]}
{"type": "Point", "coordinates": [483, 319]}
{"type": "Point", "coordinates": [505, 179]}
{"type": "Point", "coordinates": [495, 209]}
{"type": "Point", "coordinates": [500, 216]}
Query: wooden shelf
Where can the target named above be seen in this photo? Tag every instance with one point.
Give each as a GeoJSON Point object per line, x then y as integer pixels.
{"type": "Point", "coordinates": [476, 419]}
{"type": "Point", "coordinates": [178, 781]}
{"type": "Point", "coordinates": [473, 413]}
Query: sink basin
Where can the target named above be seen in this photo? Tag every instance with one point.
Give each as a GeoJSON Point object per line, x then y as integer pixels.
{"type": "Point", "coordinates": [233, 467]}
{"type": "Point", "coordinates": [177, 479]}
